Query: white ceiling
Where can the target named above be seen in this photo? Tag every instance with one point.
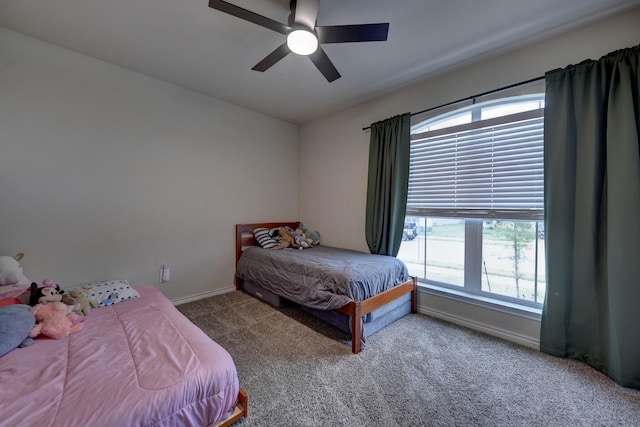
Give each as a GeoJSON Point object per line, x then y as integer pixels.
{"type": "Point", "coordinates": [188, 43]}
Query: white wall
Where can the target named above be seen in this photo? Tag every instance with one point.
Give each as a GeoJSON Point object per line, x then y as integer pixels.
{"type": "Point", "coordinates": [334, 150]}
{"type": "Point", "coordinates": [106, 173]}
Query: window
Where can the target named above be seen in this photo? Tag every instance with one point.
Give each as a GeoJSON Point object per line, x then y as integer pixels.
{"type": "Point", "coordinates": [476, 199]}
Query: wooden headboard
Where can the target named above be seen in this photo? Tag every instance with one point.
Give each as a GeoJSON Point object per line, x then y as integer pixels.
{"type": "Point", "coordinates": [244, 235]}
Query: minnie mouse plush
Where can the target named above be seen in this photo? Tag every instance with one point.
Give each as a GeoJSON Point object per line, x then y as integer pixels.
{"type": "Point", "coordinates": [49, 292]}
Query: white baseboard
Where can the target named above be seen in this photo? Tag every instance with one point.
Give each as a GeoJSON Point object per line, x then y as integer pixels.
{"type": "Point", "coordinates": [481, 327]}
{"type": "Point", "coordinates": [208, 294]}
{"type": "Point", "coordinates": [471, 324]}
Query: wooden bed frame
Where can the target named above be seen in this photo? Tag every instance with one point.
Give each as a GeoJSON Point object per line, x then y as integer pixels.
{"type": "Point", "coordinates": [355, 309]}
{"type": "Point", "coordinates": [240, 410]}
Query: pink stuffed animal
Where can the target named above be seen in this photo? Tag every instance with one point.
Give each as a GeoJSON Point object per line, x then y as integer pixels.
{"type": "Point", "coordinates": [54, 321]}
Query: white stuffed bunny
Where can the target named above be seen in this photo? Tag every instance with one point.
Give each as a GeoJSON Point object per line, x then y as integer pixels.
{"type": "Point", "coordinates": [11, 271]}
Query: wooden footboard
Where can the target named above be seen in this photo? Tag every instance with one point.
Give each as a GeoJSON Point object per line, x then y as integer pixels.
{"type": "Point", "coordinates": [355, 309]}
{"type": "Point", "coordinates": [241, 410]}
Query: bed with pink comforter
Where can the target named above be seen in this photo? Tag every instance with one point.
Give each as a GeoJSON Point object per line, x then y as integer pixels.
{"type": "Point", "coordinates": [136, 363]}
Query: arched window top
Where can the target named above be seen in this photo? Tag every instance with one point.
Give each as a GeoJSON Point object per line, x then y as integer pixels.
{"type": "Point", "coordinates": [481, 111]}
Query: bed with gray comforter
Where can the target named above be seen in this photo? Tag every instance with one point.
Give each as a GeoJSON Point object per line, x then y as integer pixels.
{"type": "Point", "coordinates": [324, 278]}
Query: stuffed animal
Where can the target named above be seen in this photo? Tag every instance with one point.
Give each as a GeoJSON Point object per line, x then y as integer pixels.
{"type": "Point", "coordinates": [11, 271]}
{"type": "Point", "coordinates": [74, 305]}
{"type": "Point", "coordinates": [313, 237]}
{"type": "Point", "coordinates": [16, 327]}
{"type": "Point", "coordinates": [86, 302]}
{"type": "Point", "coordinates": [48, 292]}
{"type": "Point", "coordinates": [300, 239]}
{"type": "Point", "coordinates": [286, 238]}
{"type": "Point", "coordinates": [54, 321]}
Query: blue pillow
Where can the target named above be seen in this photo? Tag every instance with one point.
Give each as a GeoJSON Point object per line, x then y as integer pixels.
{"type": "Point", "coordinates": [16, 321]}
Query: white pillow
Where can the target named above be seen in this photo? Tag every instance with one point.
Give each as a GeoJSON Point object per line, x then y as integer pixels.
{"type": "Point", "coordinates": [109, 292]}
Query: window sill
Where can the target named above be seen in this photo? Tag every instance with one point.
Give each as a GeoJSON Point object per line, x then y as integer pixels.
{"type": "Point", "coordinates": [483, 301]}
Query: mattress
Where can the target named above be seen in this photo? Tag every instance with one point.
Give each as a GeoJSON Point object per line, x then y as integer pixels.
{"type": "Point", "coordinates": [263, 294]}
{"type": "Point", "coordinates": [372, 322]}
{"type": "Point", "coordinates": [321, 277]}
{"type": "Point", "coordinates": [137, 362]}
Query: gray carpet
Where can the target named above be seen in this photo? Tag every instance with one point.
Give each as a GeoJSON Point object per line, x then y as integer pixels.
{"type": "Point", "coordinates": [419, 371]}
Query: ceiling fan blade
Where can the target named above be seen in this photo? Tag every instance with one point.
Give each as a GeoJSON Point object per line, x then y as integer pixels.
{"type": "Point", "coordinates": [353, 33]}
{"type": "Point", "coordinates": [247, 15]}
{"type": "Point", "coordinates": [272, 58]}
{"type": "Point", "coordinates": [324, 64]}
{"type": "Point", "coordinates": [305, 12]}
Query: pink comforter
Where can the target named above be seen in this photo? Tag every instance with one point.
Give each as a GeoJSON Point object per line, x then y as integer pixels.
{"type": "Point", "coordinates": [136, 363]}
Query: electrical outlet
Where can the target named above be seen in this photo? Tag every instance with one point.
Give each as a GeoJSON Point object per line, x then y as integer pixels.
{"type": "Point", "coordinates": [164, 274]}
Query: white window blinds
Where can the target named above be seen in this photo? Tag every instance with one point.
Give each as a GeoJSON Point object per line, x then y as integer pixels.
{"type": "Point", "coordinates": [485, 169]}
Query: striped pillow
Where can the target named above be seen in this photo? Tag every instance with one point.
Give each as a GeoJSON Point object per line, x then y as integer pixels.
{"type": "Point", "coordinates": [264, 239]}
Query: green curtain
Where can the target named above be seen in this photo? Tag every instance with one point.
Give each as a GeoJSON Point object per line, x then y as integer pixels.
{"type": "Point", "coordinates": [592, 215]}
{"type": "Point", "coordinates": [388, 184]}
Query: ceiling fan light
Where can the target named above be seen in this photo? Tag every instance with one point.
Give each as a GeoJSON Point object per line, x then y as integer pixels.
{"type": "Point", "coordinates": [302, 42]}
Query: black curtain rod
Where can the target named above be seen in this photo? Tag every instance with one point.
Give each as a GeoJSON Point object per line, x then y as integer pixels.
{"type": "Point", "coordinates": [473, 96]}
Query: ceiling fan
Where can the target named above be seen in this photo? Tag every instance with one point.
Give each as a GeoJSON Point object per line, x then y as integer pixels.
{"type": "Point", "coordinates": [303, 36]}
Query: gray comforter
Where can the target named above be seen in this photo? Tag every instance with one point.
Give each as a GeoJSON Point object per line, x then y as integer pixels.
{"type": "Point", "coordinates": [321, 277]}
